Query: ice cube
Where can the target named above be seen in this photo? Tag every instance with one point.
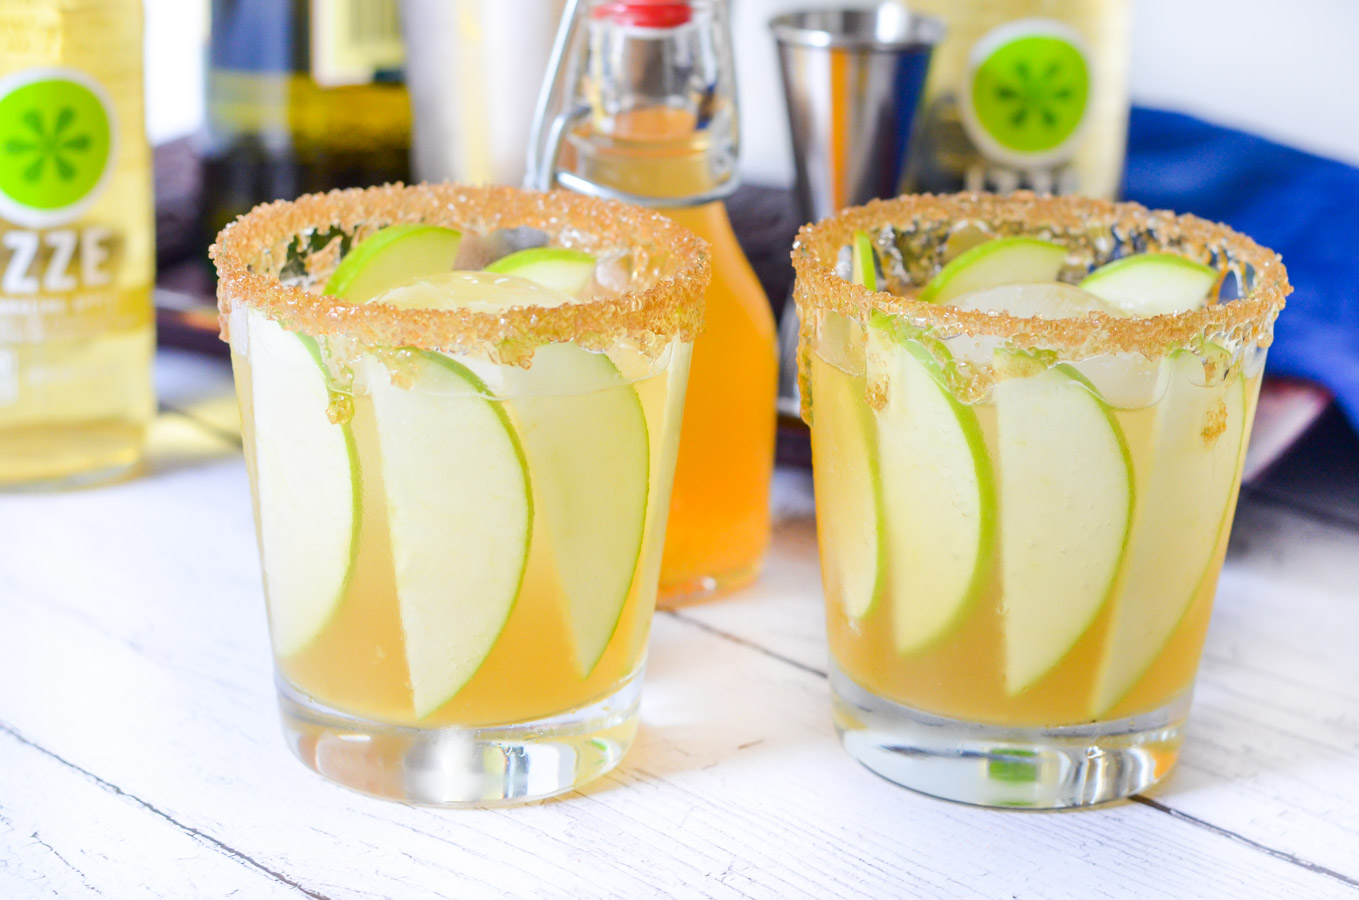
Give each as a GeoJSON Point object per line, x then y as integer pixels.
{"type": "Point", "coordinates": [1126, 381]}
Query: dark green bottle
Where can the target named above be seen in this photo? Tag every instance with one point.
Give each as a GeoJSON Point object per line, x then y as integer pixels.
{"type": "Point", "coordinates": [302, 96]}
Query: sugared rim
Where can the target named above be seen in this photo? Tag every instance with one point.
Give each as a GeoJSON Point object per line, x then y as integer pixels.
{"type": "Point", "coordinates": [671, 307]}
{"type": "Point", "coordinates": [815, 251]}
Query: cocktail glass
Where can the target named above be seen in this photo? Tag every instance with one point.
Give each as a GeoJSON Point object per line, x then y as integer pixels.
{"type": "Point", "coordinates": [1021, 519]}
{"type": "Point", "coordinates": [460, 510]}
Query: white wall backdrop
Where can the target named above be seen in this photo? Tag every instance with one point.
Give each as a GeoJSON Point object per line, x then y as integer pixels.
{"type": "Point", "coordinates": [176, 48]}
{"type": "Point", "coordinates": [1286, 70]}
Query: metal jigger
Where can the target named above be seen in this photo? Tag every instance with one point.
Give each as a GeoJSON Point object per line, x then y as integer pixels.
{"type": "Point", "coordinates": [852, 79]}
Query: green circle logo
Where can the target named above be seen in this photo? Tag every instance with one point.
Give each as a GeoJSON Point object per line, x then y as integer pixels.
{"type": "Point", "coordinates": [56, 141]}
{"type": "Point", "coordinates": [1029, 92]}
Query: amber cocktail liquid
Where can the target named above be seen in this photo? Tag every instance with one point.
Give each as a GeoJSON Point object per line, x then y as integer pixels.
{"type": "Point", "coordinates": [1028, 423]}
{"type": "Point", "coordinates": [461, 415]}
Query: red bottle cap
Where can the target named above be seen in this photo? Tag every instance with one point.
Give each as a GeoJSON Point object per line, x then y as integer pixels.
{"type": "Point", "coordinates": [646, 13]}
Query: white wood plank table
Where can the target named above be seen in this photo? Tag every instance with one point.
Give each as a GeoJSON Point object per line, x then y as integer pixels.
{"type": "Point", "coordinates": [140, 755]}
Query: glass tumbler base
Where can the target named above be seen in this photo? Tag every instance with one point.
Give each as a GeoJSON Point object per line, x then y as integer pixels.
{"type": "Point", "coordinates": [497, 765]}
{"type": "Point", "coordinates": [1004, 766]}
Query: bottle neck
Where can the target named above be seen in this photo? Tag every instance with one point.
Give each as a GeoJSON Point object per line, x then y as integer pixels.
{"type": "Point", "coordinates": [657, 155]}
{"type": "Point", "coordinates": [650, 111]}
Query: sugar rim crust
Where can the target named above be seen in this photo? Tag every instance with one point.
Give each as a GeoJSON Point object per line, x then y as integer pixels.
{"type": "Point", "coordinates": [1249, 317]}
{"type": "Point", "coordinates": [677, 263]}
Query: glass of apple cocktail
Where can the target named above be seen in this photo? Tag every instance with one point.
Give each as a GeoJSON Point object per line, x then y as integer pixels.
{"type": "Point", "coordinates": [460, 410]}
{"type": "Point", "coordinates": [1028, 422]}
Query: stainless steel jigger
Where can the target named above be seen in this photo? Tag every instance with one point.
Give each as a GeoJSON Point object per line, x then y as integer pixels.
{"type": "Point", "coordinates": [852, 79]}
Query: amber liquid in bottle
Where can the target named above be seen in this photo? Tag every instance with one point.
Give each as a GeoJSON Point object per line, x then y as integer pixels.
{"type": "Point", "coordinates": [669, 140]}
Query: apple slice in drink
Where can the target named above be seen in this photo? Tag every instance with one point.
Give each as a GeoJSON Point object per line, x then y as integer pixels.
{"type": "Point", "coordinates": [844, 446]}
{"type": "Point", "coordinates": [306, 473]}
{"type": "Point", "coordinates": [446, 448]}
{"type": "Point", "coordinates": [1185, 495]}
{"type": "Point", "coordinates": [1066, 488]}
{"type": "Point", "coordinates": [1066, 503]}
{"type": "Point", "coordinates": [308, 548]}
{"type": "Point", "coordinates": [663, 405]}
{"type": "Point", "coordinates": [460, 511]}
{"type": "Point", "coordinates": [863, 262]}
{"type": "Point", "coordinates": [392, 257]}
{"type": "Point", "coordinates": [938, 496]}
{"type": "Point", "coordinates": [1009, 260]}
{"type": "Point", "coordinates": [568, 271]}
{"type": "Point", "coordinates": [1153, 284]}
{"type": "Point", "coordinates": [848, 512]}
{"type": "Point", "coordinates": [589, 446]}
{"type": "Point", "coordinates": [585, 438]}
{"type": "Point", "coordinates": [1125, 381]}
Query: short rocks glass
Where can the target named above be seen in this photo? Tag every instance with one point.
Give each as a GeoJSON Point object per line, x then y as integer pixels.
{"type": "Point", "coordinates": [1022, 514]}
{"type": "Point", "coordinates": [461, 456]}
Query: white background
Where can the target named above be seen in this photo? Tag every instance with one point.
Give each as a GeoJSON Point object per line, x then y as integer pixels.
{"type": "Point", "coordinates": [1287, 70]}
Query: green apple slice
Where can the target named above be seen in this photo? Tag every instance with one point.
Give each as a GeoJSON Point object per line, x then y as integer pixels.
{"type": "Point", "coordinates": [844, 445]}
{"type": "Point", "coordinates": [1185, 495]}
{"type": "Point", "coordinates": [387, 258]}
{"type": "Point", "coordinates": [460, 510]}
{"type": "Point", "coordinates": [391, 257]}
{"type": "Point", "coordinates": [848, 512]}
{"type": "Point", "coordinates": [568, 271]}
{"type": "Point", "coordinates": [841, 339]}
{"type": "Point", "coordinates": [663, 404]}
{"type": "Point", "coordinates": [863, 268]}
{"type": "Point", "coordinates": [585, 437]}
{"type": "Point", "coordinates": [1153, 284]}
{"type": "Point", "coordinates": [1010, 260]}
{"type": "Point", "coordinates": [1066, 502]}
{"type": "Point", "coordinates": [586, 433]}
{"type": "Point", "coordinates": [938, 493]}
{"type": "Point", "coordinates": [307, 483]}
{"type": "Point", "coordinates": [589, 452]}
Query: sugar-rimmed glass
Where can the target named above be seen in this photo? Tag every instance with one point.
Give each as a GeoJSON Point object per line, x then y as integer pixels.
{"type": "Point", "coordinates": [460, 553]}
{"type": "Point", "coordinates": [974, 469]}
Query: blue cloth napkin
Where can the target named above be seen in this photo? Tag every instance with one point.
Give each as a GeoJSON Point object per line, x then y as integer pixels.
{"type": "Point", "coordinates": [1304, 207]}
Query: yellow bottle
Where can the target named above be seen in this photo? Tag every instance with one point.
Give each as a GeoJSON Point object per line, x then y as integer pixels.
{"type": "Point", "coordinates": [76, 242]}
{"type": "Point", "coordinates": [642, 127]}
{"type": "Point", "coordinates": [1024, 94]}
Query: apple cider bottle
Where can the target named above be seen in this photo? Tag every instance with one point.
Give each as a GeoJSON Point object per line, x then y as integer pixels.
{"type": "Point", "coordinates": [641, 108]}
{"type": "Point", "coordinates": [76, 242]}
